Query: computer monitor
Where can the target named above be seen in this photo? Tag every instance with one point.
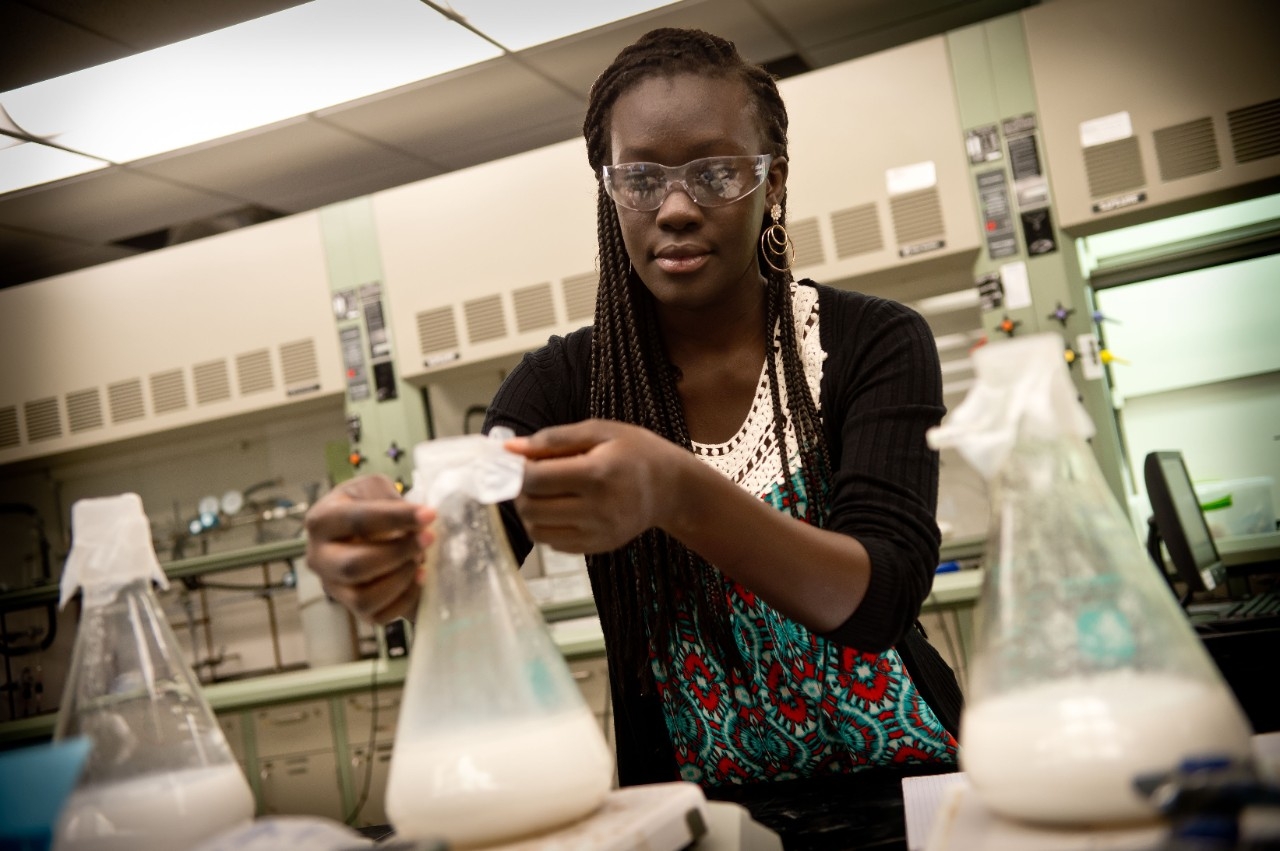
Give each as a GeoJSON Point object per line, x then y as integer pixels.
{"type": "Point", "coordinates": [1178, 521]}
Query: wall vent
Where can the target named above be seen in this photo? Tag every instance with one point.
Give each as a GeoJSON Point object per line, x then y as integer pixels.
{"type": "Point", "coordinates": [1187, 149]}
{"type": "Point", "coordinates": [917, 216]}
{"type": "Point", "coordinates": [124, 399]}
{"type": "Point", "coordinates": [298, 364]}
{"type": "Point", "coordinates": [9, 427]}
{"type": "Point", "coordinates": [212, 380]}
{"type": "Point", "coordinates": [437, 331]}
{"type": "Point", "coordinates": [580, 296]}
{"type": "Point", "coordinates": [42, 419]}
{"type": "Point", "coordinates": [857, 231]}
{"type": "Point", "coordinates": [807, 240]}
{"type": "Point", "coordinates": [1113, 168]}
{"type": "Point", "coordinates": [253, 372]}
{"type": "Point", "coordinates": [534, 307]}
{"type": "Point", "coordinates": [168, 391]}
{"type": "Point", "coordinates": [84, 410]}
{"type": "Point", "coordinates": [1255, 131]}
{"type": "Point", "coordinates": [484, 319]}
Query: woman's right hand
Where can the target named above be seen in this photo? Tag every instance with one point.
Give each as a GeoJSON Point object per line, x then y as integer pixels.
{"type": "Point", "coordinates": [367, 544]}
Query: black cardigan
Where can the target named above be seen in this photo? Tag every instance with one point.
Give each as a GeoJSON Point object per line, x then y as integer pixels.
{"type": "Point", "coordinates": [881, 390]}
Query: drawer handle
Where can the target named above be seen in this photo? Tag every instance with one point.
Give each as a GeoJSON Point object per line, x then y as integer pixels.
{"type": "Point", "coordinates": [370, 705]}
{"type": "Point", "coordinates": [580, 675]}
{"type": "Point", "coordinates": [293, 718]}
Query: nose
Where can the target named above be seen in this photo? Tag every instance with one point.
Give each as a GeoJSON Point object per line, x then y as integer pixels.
{"type": "Point", "coordinates": [678, 208]}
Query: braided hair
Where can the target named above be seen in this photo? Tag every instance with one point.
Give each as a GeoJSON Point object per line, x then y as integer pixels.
{"type": "Point", "coordinates": [632, 381]}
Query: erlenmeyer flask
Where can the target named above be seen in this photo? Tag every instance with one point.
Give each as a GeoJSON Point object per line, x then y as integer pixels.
{"type": "Point", "coordinates": [160, 774]}
{"type": "Point", "coordinates": [494, 739]}
{"type": "Point", "coordinates": [1086, 673]}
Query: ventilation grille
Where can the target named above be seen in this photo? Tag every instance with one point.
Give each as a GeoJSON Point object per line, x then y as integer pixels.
{"type": "Point", "coordinates": [84, 410]}
{"type": "Point", "coordinates": [298, 363]}
{"type": "Point", "coordinates": [9, 426]}
{"type": "Point", "coordinates": [437, 331]}
{"type": "Point", "coordinates": [1114, 167]}
{"type": "Point", "coordinates": [253, 372]}
{"type": "Point", "coordinates": [807, 241]}
{"type": "Point", "coordinates": [580, 296]}
{"type": "Point", "coordinates": [917, 216]}
{"type": "Point", "coordinates": [168, 391]}
{"type": "Point", "coordinates": [484, 319]}
{"type": "Point", "coordinates": [42, 419]}
{"type": "Point", "coordinates": [857, 231]}
{"type": "Point", "coordinates": [213, 382]}
{"type": "Point", "coordinates": [534, 307]}
{"type": "Point", "coordinates": [1186, 149]}
{"type": "Point", "coordinates": [1255, 131]}
{"type": "Point", "coordinates": [124, 398]}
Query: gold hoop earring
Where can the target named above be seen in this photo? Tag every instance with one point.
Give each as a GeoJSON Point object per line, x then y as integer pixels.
{"type": "Point", "coordinates": [776, 242]}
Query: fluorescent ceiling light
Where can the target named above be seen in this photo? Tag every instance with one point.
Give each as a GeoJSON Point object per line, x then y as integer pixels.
{"type": "Point", "coordinates": [518, 25]}
{"type": "Point", "coordinates": [266, 70]}
{"type": "Point", "coordinates": [25, 164]}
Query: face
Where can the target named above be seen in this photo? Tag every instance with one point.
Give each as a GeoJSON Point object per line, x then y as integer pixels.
{"type": "Point", "coordinates": [689, 256]}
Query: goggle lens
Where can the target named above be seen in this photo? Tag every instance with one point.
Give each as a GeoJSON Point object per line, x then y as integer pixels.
{"type": "Point", "coordinates": [710, 182]}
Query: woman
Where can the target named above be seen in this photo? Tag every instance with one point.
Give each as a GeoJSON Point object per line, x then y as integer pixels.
{"type": "Point", "coordinates": [741, 456]}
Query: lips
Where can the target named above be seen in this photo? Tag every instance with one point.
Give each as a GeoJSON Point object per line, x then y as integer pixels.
{"type": "Point", "coordinates": [681, 259]}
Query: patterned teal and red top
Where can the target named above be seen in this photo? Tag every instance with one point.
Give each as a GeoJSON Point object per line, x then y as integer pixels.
{"type": "Point", "coordinates": [804, 706]}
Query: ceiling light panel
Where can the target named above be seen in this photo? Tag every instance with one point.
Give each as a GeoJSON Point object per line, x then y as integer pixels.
{"type": "Point", "coordinates": [265, 70]}
{"type": "Point", "coordinates": [26, 164]}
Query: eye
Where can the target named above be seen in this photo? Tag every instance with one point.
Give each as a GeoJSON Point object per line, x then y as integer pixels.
{"type": "Point", "coordinates": [721, 177]}
{"type": "Point", "coordinates": [640, 181]}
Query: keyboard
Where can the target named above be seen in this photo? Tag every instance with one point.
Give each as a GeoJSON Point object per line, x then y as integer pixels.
{"type": "Point", "coordinates": [1261, 611]}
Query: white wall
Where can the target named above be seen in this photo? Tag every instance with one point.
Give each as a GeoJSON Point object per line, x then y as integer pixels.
{"type": "Point", "coordinates": [1199, 371]}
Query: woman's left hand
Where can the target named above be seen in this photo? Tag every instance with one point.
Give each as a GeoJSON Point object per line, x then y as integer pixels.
{"type": "Point", "coordinates": [592, 486]}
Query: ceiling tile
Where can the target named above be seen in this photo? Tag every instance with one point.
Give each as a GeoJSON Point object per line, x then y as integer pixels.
{"type": "Point", "coordinates": [577, 61]}
{"type": "Point", "coordinates": [460, 109]}
{"type": "Point", "coordinates": [36, 46]}
{"type": "Point", "coordinates": [477, 148]}
{"type": "Point", "coordinates": [108, 205]}
{"type": "Point", "coordinates": [291, 166]}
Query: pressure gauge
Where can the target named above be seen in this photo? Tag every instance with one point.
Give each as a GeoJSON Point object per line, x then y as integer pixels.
{"type": "Point", "coordinates": [207, 505]}
{"type": "Point", "coordinates": [232, 502]}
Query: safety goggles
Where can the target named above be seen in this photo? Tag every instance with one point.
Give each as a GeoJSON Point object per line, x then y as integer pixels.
{"type": "Point", "coordinates": [710, 181]}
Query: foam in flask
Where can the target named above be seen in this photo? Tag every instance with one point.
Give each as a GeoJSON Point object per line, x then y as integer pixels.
{"type": "Point", "coordinates": [494, 740]}
{"type": "Point", "coordinates": [160, 775]}
{"type": "Point", "coordinates": [1086, 673]}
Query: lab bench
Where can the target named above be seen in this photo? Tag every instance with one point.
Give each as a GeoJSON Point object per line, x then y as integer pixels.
{"type": "Point", "coordinates": [318, 741]}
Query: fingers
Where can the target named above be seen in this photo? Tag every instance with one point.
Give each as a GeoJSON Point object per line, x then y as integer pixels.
{"type": "Point", "coordinates": [368, 509]}
{"type": "Point", "coordinates": [367, 544]}
{"type": "Point", "coordinates": [555, 441]}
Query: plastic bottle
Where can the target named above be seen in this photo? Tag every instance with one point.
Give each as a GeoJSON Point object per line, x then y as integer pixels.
{"type": "Point", "coordinates": [1086, 673]}
{"type": "Point", "coordinates": [494, 739]}
{"type": "Point", "coordinates": [160, 774]}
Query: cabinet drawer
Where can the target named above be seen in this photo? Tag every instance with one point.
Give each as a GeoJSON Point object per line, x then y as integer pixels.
{"type": "Point", "coordinates": [293, 728]}
{"type": "Point", "coordinates": [379, 711]}
{"type": "Point", "coordinates": [302, 784]}
{"type": "Point", "coordinates": [592, 677]}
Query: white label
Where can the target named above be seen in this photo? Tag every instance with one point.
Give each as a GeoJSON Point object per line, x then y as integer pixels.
{"type": "Point", "coordinates": [1090, 356]}
{"type": "Point", "coordinates": [1017, 288]}
{"type": "Point", "coordinates": [437, 359]}
{"type": "Point", "coordinates": [1108, 128]}
{"type": "Point", "coordinates": [911, 178]}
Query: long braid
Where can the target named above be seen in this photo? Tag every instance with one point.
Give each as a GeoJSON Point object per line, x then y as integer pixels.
{"type": "Point", "coordinates": [631, 380]}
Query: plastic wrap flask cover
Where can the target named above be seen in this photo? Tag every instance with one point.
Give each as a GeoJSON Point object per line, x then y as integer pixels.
{"type": "Point", "coordinates": [160, 774]}
{"type": "Point", "coordinates": [1085, 672]}
{"type": "Point", "coordinates": [494, 740]}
